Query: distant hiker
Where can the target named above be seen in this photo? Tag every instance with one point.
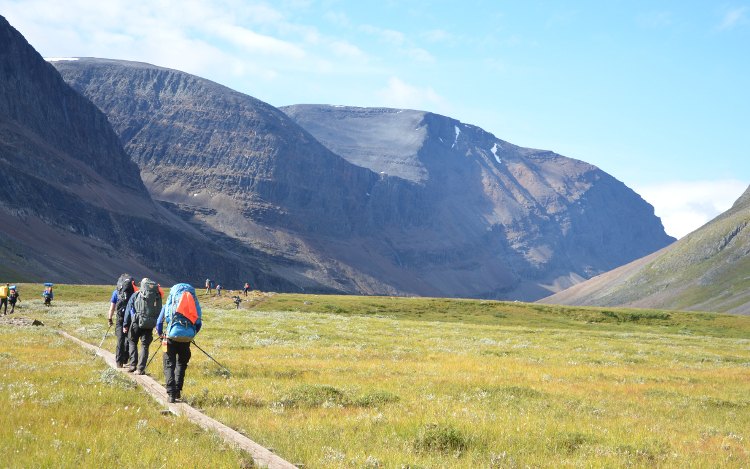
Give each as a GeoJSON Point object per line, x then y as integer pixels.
{"type": "Point", "coordinates": [4, 292]}
{"type": "Point", "coordinates": [117, 304]}
{"type": "Point", "coordinates": [182, 315]}
{"type": "Point", "coordinates": [12, 298]}
{"type": "Point", "coordinates": [48, 295]}
{"type": "Point", "coordinates": [141, 313]}
{"type": "Point", "coordinates": [208, 286]}
{"type": "Point", "coordinates": [237, 301]}
{"type": "Point", "coordinates": [218, 290]}
{"type": "Point", "coordinates": [246, 288]}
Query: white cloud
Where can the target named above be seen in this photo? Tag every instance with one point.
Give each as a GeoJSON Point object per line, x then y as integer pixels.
{"type": "Point", "coordinates": [686, 206]}
{"type": "Point", "coordinates": [733, 17]}
{"type": "Point", "coordinates": [388, 36]}
{"type": "Point", "coordinates": [437, 35]}
{"type": "Point", "coordinates": [253, 42]}
{"type": "Point", "coordinates": [399, 94]}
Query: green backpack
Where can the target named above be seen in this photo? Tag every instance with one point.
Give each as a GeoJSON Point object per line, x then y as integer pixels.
{"type": "Point", "coordinates": [147, 304]}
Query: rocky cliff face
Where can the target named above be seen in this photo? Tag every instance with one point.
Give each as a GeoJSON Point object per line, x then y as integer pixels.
{"type": "Point", "coordinates": [706, 270]}
{"type": "Point", "coordinates": [407, 202]}
{"type": "Point", "coordinates": [73, 205]}
{"type": "Point", "coordinates": [548, 218]}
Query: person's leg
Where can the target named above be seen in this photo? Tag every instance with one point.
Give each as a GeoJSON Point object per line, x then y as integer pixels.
{"type": "Point", "coordinates": [183, 358]}
{"type": "Point", "coordinates": [4, 304]}
{"type": "Point", "coordinates": [170, 360]}
{"type": "Point", "coordinates": [147, 337]}
{"type": "Point", "coordinates": [133, 349]}
{"type": "Point", "coordinates": [121, 354]}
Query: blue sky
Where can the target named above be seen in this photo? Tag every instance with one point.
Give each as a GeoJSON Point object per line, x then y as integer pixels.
{"type": "Point", "coordinates": [655, 93]}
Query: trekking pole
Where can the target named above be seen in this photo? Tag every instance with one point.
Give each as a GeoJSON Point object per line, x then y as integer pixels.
{"type": "Point", "coordinates": [105, 336]}
{"type": "Point", "coordinates": [152, 357]}
{"type": "Point", "coordinates": [212, 358]}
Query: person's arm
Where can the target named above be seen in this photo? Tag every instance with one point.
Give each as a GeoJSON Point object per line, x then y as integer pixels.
{"type": "Point", "coordinates": [128, 314]}
{"type": "Point", "coordinates": [160, 322]}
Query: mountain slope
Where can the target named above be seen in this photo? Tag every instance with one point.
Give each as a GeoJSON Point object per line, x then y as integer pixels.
{"type": "Point", "coordinates": [453, 225]}
{"type": "Point", "coordinates": [73, 205]}
{"type": "Point", "coordinates": [707, 270]}
{"type": "Point", "coordinates": [559, 220]}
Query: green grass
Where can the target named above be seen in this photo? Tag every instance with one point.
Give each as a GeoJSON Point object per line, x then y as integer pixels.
{"type": "Point", "coordinates": [343, 381]}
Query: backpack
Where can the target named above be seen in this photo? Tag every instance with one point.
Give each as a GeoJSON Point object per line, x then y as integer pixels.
{"type": "Point", "coordinates": [4, 291]}
{"type": "Point", "coordinates": [125, 289]}
{"type": "Point", "coordinates": [182, 311]}
{"type": "Point", "coordinates": [147, 304]}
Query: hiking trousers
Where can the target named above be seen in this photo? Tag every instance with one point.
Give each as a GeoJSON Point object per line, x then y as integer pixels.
{"type": "Point", "coordinates": [121, 350]}
{"type": "Point", "coordinates": [4, 302]}
{"type": "Point", "coordinates": [146, 336]}
{"type": "Point", "coordinates": [176, 360]}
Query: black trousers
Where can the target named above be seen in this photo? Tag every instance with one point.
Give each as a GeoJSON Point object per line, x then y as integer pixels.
{"type": "Point", "coordinates": [176, 360]}
{"type": "Point", "coordinates": [4, 302]}
{"type": "Point", "coordinates": [121, 350]}
{"type": "Point", "coordinates": [146, 336]}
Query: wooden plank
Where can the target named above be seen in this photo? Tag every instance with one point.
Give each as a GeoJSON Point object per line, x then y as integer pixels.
{"type": "Point", "coordinates": [263, 457]}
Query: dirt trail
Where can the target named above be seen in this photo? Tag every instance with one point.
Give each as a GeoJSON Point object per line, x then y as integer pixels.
{"type": "Point", "coordinates": [263, 457]}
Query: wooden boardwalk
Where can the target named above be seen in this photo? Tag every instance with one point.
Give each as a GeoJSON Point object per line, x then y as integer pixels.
{"type": "Point", "coordinates": [263, 457]}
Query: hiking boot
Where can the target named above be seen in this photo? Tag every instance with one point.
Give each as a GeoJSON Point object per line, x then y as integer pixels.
{"type": "Point", "coordinates": [140, 372]}
{"type": "Point", "coordinates": [120, 365]}
{"type": "Point", "coordinates": [131, 369]}
{"type": "Point", "coordinates": [171, 399]}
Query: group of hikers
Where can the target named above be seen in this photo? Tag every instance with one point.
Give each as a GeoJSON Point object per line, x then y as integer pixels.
{"type": "Point", "coordinates": [219, 288]}
{"type": "Point", "coordinates": [9, 295]}
{"type": "Point", "coordinates": [137, 310]}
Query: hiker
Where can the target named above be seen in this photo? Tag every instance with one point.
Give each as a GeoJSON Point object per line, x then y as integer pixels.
{"type": "Point", "coordinates": [246, 288]}
{"type": "Point", "coordinates": [218, 290]}
{"type": "Point", "coordinates": [48, 295]}
{"type": "Point", "coordinates": [141, 312]}
{"type": "Point", "coordinates": [237, 301]}
{"type": "Point", "coordinates": [12, 298]}
{"type": "Point", "coordinates": [4, 292]}
{"type": "Point", "coordinates": [208, 286]}
{"type": "Point", "coordinates": [182, 315]}
{"type": "Point", "coordinates": [117, 304]}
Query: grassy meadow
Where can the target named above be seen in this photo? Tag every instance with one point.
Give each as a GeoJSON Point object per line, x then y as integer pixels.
{"type": "Point", "coordinates": [368, 382]}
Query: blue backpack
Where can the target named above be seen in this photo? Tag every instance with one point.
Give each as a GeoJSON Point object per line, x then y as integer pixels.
{"type": "Point", "coordinates": [182, 312]}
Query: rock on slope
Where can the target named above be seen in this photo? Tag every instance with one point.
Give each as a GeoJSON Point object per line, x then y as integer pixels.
{"type": "Point", "coordinates": [442, 217]}
{"type": "Point", "coordinates": [707, 270]}
{"type": "Point", "coordinates": [73, 205]}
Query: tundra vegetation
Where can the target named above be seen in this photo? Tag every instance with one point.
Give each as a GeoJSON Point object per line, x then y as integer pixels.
{"type": "Point", "coordinates": [343, 381]}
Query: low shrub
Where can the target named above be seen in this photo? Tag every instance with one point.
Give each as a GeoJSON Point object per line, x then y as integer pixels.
{"type": "Point", "coordinates": [443, 439]}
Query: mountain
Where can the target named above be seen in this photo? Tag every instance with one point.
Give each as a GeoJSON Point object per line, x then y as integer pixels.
{"type": "Point", "coordinates": [73, 205]}
{"type": "Point", "coordinates": [437, 214]}
{"type": "Point", "coordinates": [707, 270]}
{"type": "Point", "coordinates": [550, 221]}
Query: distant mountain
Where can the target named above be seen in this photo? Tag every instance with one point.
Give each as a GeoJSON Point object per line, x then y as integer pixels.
{"type": "Point", "coordinates": [73, 205]}
{"type": "Point", "coordinates": [425, 205]}
{"type": "Point", "coordinates": [548, 220]}
{"type": "Point", "coordinates": [707, 270]}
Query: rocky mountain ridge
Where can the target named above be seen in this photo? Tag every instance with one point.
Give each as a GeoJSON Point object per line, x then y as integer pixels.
{"type": "Point", "coordinates": [443, 210]}
{"type": "Point", "coordinates": [73, 205]}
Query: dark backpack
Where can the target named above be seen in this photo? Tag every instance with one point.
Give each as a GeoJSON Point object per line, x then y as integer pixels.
{"type": "Point", "coordinates": [147, 304]}
{"type": "Point", "coordinates": [125, 289]}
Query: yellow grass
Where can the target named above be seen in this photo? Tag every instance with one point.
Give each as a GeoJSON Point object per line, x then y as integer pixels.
{"type": "Point", "coordinates": [506, 385]}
